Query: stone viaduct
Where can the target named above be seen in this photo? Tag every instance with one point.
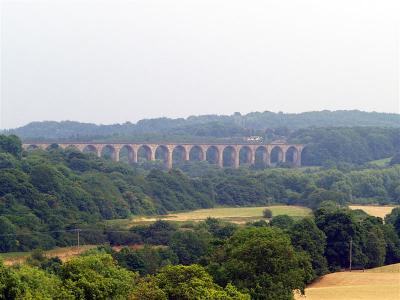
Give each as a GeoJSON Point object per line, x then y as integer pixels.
{"type": "Point", "coordinates": [224, 155]}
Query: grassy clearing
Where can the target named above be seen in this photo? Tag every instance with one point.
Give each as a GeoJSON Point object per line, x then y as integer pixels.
{"type": "Point", "coordinates": [63, 253]}
{"type": "Point", "coordinates": [377, 211]}
{"type": "Point", "coordinates": [237, 215]}
{"type": "Point", "coordinates": [375, 284]}
{"type": "Point", "coordinates": [381, 162]}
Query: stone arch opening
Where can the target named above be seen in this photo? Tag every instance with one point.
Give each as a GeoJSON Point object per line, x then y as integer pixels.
{"type": "Point", "coordinates": [212, 155]}
{"type": "Point", "coordinates": [178, 155]}
{"type": "Point", "coordinates": [53, 146]}
{"type": "Point", "coordinates": [245, 156]}
{"type": "Point", "coordinates": [307, 157]}
{"type": "Point", "coordinates": [126, 154]}
{"type": "Point", "coordinates": [144, 153]}
{"type": "Point", "coordinates": [196, 154]}
{"type": "Point", "coordinates": [32, 147]}
{"type": "Point", "coordinates": [229, 157]}
{"type": "Point", "coordinates": [292, 155]}
{"type": "Point", "coordinates": [108, 152]}
{"type": "Point", "coordinates": [261, 157]}
{"type": "Point", "coordinates": [276, 155]}
{"type": "Point", "coordinates": [90, 149]}
{"type": "Point", "coordinates": [162, 153]}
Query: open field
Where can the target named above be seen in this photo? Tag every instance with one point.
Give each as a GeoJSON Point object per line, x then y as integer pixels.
{"type": "Point", "coordinates": [63, 253]}
{"type": "Point", "coordinates": [381, 162]}
{"type": "Point", "coordinates": [377, 211]}
{"type": "Point", "coordinates": [375, 284]}
{"type": "Point", "coordinates": [237, 215]}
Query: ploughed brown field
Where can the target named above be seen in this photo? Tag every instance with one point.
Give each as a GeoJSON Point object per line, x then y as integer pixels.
{"type": "Point", "coordinates": [375, 284]}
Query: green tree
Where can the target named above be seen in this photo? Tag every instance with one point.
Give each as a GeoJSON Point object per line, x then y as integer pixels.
{"type": "Point", "coordinates": [38, 284]}
{"type": "Point", "coordinates": [262, 261]}
{"type": "Point", "coordinates": [189, 246]}
{"type": "Point", "coordinates": [339, 228]}
{"type": "Point", "coordinates": [8, 241]}
{"type": "Point", "coordinates": [10, 286]}
{"type": "Point", "coordinates": [395, 159]}
{"type": "Point", "coordinates": [282, 221]}
{"type": "Point", "coordinates": [267, 213]}
{"type": "Point", "coordinates": [306, 236]}
{"type": "Point", "coordinates": [11, 144]}
{"type": "Point", "coordinates": [97, 277]}
{"type": "Point", "coordinates": [193, 282]}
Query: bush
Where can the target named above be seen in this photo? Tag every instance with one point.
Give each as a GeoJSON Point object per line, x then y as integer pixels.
{"type": "Point", "coordinates": [395, 159]}
{"type": "Point", "coordinates": [267, 213]}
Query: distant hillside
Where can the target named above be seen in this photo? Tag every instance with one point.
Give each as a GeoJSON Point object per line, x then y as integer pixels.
{"type": "Point", "coordinates": [218, 126]}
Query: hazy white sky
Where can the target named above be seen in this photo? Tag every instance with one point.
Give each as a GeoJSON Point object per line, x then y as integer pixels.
{"type": "Point", "coordinates": [116, 61]}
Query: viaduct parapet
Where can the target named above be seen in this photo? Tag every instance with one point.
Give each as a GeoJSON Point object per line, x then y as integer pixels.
{"type": "Point", "coordinates": [224, 155]}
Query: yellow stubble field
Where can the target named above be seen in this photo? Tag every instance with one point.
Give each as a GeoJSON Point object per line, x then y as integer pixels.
{"type": "Point", "coordinates": [376, 211]}
{"type": "Point", "coordinates": [374, 284]}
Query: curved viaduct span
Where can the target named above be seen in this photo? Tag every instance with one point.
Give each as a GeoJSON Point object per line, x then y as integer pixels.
{"type": "Point", "coordinates": [231, 155]}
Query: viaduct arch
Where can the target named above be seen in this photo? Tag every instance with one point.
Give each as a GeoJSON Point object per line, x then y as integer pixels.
{"type": "Point", "coordinates": [230, 155]}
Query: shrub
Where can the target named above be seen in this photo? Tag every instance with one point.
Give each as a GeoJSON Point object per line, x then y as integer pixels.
{"type": "Point", "coordinates": [267, 213]}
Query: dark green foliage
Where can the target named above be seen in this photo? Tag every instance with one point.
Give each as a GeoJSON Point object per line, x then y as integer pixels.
{"type": "Point", "coordinates": [26, 282]}
{"type": "Point", "coordinates": [9, 285]}
{"type": "Point", "coordinates": [267, 213]}
{"type": "Point", "coordinates": [395, 159]}
{"type": "Point", "coordinates": [190, 246]}
{"type": "Point", "coordinates": [57, 191]}
{"type": "Point", "coordinates": [262, 261]}
{"type": "Point", "coordinates": [339, 228]}
{"type": "Point", "coordinates": [306, 236]}
{"type": "Point", "coordinates": [265, 123]}
{"type": "Point", "coordinates": [158, 233]}
{"type": "Point", "coordinates": [146, 260]}
{"type": "Point", "coordinates": [184, 283]}
{"type": "Point", "coordinates": [392, 244]}
{"type": "Point", "coordinates": [11, 144]}
{"type": "Point", "coordinates": [282, 221]}
{"type": "Point", "coordinates": [393, 216]}
{"type": "Point", "coordinates": [97, 277]}
{"type": "Point", "coordinates": [373, 243]}
{"type": "Point", "coordinates": [220, 230]}
{"type": "Point", "coordinates": [332, 137]}
{"type": "Point", "coordinates": [353, 145]}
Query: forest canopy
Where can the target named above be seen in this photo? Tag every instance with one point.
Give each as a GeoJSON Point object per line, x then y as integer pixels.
{"type": "Point", "coordinates": [46, 195]}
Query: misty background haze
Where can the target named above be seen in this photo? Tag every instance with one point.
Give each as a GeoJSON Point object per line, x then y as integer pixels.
{"type": "Point", "coordinates": [116, 61]}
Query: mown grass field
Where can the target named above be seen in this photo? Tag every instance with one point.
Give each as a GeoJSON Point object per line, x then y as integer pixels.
{"type": "Point", "coordinates": [375, 284]}
{"type": "Point", "coordinates": [239, 215]}
{"type": "Point", "coordinates": [377, 211]}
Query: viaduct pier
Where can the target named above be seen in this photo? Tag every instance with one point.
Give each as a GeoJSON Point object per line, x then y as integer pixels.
{"type": "Point", "coordinates": [223, 155]}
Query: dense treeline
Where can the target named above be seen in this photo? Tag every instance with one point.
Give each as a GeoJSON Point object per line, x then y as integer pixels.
{"type": "Point", "coordinates": [355, 145]}
{"type": "Point", "coordinates": [46, 195]}
{"type": "Point", "coordinates": [213, 259]}
{"type": "Point", "coordinates": [332, 136]}
{"type": "Point", "coordinates": [208, 125]}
